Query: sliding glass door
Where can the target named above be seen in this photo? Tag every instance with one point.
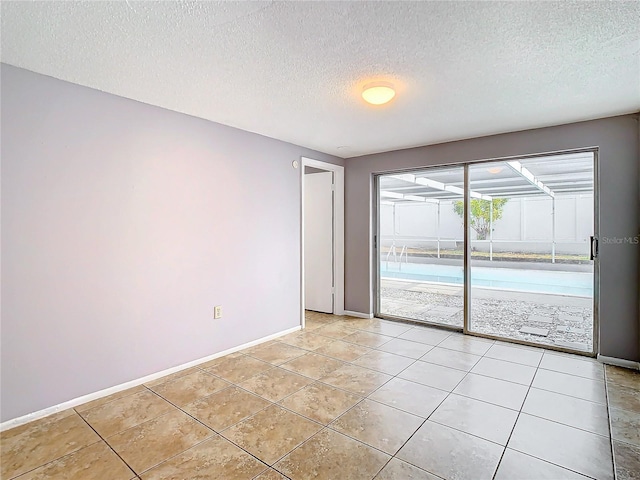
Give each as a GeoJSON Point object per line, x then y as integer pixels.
{"type": "Point", "coordinates": [530, 251]}
{"type": "Point", "coordinates": [532, 275]}
{"type": "Point", "coordinates": [421, 238]}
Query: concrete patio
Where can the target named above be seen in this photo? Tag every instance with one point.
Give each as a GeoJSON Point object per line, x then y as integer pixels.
{"type": "Point", "coordinates": [557, 320]}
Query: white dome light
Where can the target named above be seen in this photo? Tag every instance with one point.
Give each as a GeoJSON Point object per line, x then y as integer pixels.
{"type": "Point", "coordinates": [378, 93]}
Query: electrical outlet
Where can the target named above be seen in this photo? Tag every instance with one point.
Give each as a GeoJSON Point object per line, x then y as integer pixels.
{"type": "Point", "coordinates": [217, 311]}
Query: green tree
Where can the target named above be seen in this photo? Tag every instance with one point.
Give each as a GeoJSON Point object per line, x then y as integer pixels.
{"type": "Point", "coordinates": [481, 213]}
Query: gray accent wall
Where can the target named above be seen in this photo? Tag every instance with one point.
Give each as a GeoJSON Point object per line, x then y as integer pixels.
{"type": "Point", "coordinates": [617, 141]}
{"type": "Point", "coordinates": [123, 224]}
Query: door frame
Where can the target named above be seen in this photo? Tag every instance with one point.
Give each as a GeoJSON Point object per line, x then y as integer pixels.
{"type": "Point", "coordinates": [338, 233]}
{"type": "Point", "coordinates": [377, 282]}
{"type": "Point", "coordinates": [467, 253]}
{"type": "Point", "coordinates": [596, 260]}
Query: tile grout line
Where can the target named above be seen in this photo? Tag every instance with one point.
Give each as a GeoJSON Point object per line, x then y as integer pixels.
{"type": "Point", "coordinates": [553, 421]}
{"type": "Point", "coordinates": [107, 402]}
{"type": "Point", "coordinates": [17, 477]}
{"type": "Point", "coordinates": [205, 426]}
{"type": "Point", "coordinates": [151, 420]}
{"type": "Point", "coordinates": [468, 372]}
{"type": "Point", "coordinates": [323, 427]}
{"type": "Point", "coordinates": [109, 445]}
{"type": "Point", "coordinates": [611, 444]}
{"type": "Point", "coordinates": [564, 425]}
{"type": "Point", "coordinates": [362, 398]}
{"type": "Point", "coordinates": [219, 433]}
{"type": "Point", "coordinates": [610, 407]}
{"type": "Point", "coordinates": [524, 400]}
{"type": "Point", "coordinates": [529, 386]}
{"type": "Point", "coordinates": [433, 411]}
{"type": "Point", "coordinates": [367, 397]}
{"type": "Point", "coordinates": [391, 455]}
{"type": "Point", "coordinates": [314, 380]}
{"type": "Point", "coordinates": [319, 380]}
{"type": "Point", "coordinates": [484, 355]}
{"type": "Point", "coordinates": [394, 376]}
{"type": "Point", "coordinates": [231, 385]}
{"type": "Point", "coordinates": [425, 419]}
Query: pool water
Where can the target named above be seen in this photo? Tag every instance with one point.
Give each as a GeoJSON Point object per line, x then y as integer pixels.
{"type": "Point", "coordinates": [538, 281]}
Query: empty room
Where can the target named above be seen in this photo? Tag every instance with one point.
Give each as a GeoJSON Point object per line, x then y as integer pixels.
{"type": "Point", "coordinates": [332, 240]}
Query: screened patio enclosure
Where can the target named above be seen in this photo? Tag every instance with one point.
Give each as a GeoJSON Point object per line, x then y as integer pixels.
{"type": "Point", "coordinates": [530, 227]}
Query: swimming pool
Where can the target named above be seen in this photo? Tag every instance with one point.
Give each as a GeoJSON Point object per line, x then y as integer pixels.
{"type": "Point", "coordinates": [538, 281]}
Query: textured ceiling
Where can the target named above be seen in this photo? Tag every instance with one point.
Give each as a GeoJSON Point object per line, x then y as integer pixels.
{"type": "Point", "coordinates": [294, 70]}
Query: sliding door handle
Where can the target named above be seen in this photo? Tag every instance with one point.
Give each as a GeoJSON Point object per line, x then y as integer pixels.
{"type": "Point", "coordinates": [594, 248]}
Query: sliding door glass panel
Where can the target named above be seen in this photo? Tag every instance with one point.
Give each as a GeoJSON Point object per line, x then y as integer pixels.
{"type": "Point", "coordinates": [531, 224]}
{"type": "Point", "coordinates": [421, 245]}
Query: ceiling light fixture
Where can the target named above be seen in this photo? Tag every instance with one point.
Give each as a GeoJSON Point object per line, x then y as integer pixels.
{"type": "Point", "coordinates": [378, 93]}
{"type": "Point", "coordinates": [494, 170]}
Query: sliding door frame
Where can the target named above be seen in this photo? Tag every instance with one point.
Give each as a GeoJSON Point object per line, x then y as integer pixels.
{"type": "Point", "coordinates": [376, 256]}
{"type": "Point", "coordinates": [467, 250]}
{"type": "Point", "coordinates": [467, 253]}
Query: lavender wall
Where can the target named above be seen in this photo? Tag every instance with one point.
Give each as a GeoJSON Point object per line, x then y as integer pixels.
{"type": "Point", "coordinates": [617, 139]}
{"type": "Point", "coordinates": [123, 225]}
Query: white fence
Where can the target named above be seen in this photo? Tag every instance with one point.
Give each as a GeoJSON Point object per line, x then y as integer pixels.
{"type": "Point", "coordinates": [527, 225]}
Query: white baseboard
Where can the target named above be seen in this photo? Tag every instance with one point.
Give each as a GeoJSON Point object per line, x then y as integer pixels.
{"type": "Point", "coordinates": [358, 314]}
{"type": "Point", "coordinates": [15, 422]}
{"type": "Point", "coordinates": [619, 362]}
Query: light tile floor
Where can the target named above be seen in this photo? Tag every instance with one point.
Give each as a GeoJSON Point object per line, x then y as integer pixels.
{"type": "Point", "coordinates": [351, 399]}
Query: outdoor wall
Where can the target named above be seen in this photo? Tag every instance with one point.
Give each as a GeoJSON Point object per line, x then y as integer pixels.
{"type": "Point", "coordinates": [617, 140]}
{"type": "Point", "coordinates": [123, 224]}
{"type": "Point", "coordinates": [525, 226]}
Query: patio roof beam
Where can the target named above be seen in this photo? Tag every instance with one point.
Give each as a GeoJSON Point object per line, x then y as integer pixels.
{"type": "Point", "coordinates": [529, 177]}
{"type": "Point", "coordinates": [426, 182]}
{"type": "Point", "coordinates": [401, 196]}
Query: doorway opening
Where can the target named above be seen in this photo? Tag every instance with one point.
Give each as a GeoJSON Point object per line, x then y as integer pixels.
{"type": "Point", "coordinates": [322, 237]}
{"type": "Point", "coordinates": [505, 249]}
